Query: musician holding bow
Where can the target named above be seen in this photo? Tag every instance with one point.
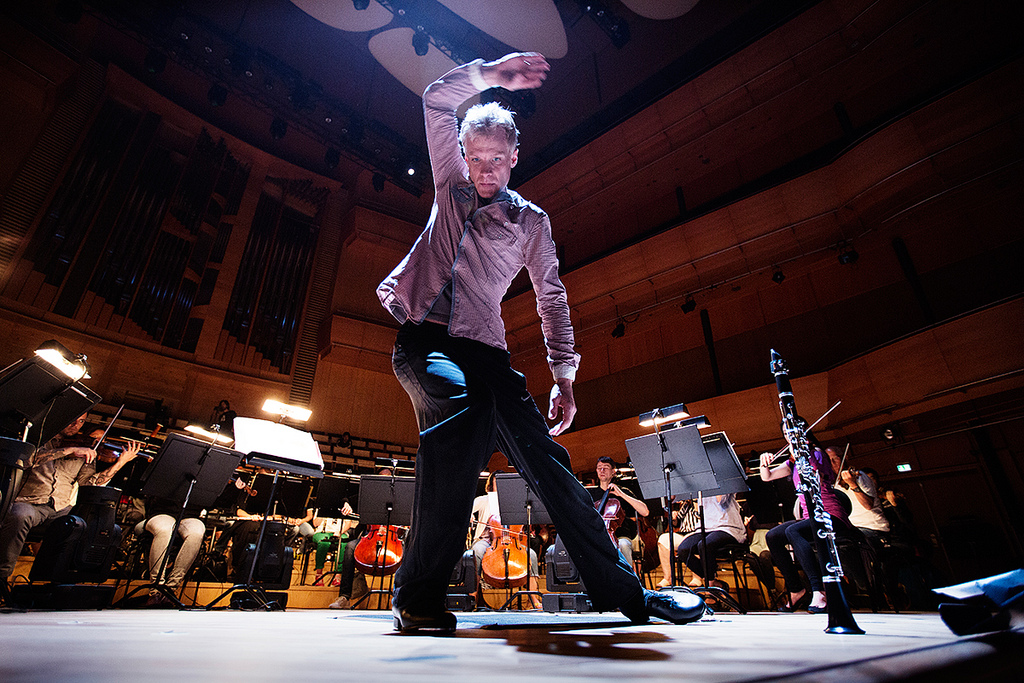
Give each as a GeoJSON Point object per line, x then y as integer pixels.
{"type": "Point", "coordinates": [799, 533]}
{"type": "Point", "coordinates": [49, 487]}
{"type": "Point", "coordinates": [620, 505]}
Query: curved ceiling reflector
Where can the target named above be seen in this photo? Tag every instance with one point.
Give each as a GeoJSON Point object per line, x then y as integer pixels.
{"type": "Point", "coordinates": [393, 49]}
{"type": "Point", "coordinates": [528, 25]}
{"type": "Point", "coordinates": [660, 9]}
{"type": "Point", "coordinates": [343, 14]}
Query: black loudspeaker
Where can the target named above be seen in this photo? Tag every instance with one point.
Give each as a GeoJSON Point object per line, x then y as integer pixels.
{"type": "Point", "coordinates": [80, 547]}
{"type": "Point", "coordinates": [566, 592]}
{"type": "Point", "coordinates": [462, 585]}
{"type": "Point", "coordinates": [561, 574]}
{"type": "Point", "coordinates": [274, 565]}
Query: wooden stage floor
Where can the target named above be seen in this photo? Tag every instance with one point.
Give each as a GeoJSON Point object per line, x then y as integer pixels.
{"type": "Point", "coordinates": [319, 644]}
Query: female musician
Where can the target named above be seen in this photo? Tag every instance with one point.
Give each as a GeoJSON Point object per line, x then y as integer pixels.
{"type": "Point", "coordinates": [799, 533]}
{"type": "Point", "coordinates": [487, 519]}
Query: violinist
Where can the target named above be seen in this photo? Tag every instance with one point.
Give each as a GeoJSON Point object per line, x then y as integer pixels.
{"type": "Point", "coordinates": [487, 528]}
{"type": "Point", "coordinates": [799, 533]}
{"type": "Point", "coordinates": [628, 504]}
{"type": "Point", "coordinates": [49, 486]}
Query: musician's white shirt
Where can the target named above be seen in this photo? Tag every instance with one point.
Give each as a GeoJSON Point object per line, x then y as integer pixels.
{"type": "Point", "coordinates": [484, 507]}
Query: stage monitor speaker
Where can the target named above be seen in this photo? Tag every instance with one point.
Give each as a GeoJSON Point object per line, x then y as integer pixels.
{"type": "Point", "coordinates": [462, 585]}
{"type": "Point", "coordinates": [274, 566]}
{"type": "Point", "coordinates": [561, 575]}
{"type": "Point", "coordinates": [80, 547]}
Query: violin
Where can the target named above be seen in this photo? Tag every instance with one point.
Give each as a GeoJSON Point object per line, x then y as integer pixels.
{"type": "Point", "coordinates": [504, 564]}
{"type": "Point", "coordinates": [379, 552]}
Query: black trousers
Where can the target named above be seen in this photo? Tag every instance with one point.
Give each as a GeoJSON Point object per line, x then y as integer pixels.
{"type": "Point", "coordinates": [469, 402]}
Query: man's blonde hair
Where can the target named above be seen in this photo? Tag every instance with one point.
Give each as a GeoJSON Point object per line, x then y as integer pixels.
{"type": "Point", "coordinates": [489, 119]}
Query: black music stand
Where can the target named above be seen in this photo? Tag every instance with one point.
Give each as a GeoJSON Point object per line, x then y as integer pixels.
{"type": "Point", "coordinates": [331, 496]}
{"type": "Point", "coordinates": [36, 402]}
{"type": "Point", "coordinates": [185, 471]}
{"type": "Point", "coordinates": [387, 500]}
{"type": "Point", "coordinates": [277, 447]}
{"type": "Point", "coordinates": [519, 504]}
{"type": "Point", "coordinates": [677, 461]}
{"type": "Point", "coordinates": [291, 497]}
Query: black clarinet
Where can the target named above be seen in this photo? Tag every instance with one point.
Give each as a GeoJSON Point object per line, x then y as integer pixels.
{"type": "Point", "coordinates": [840, 618]}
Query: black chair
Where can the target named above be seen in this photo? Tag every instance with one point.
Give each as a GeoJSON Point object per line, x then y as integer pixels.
{"type": "Point", "coordinates": [861, 569]}
{"type": "Point", "coordinates": [739, 558]}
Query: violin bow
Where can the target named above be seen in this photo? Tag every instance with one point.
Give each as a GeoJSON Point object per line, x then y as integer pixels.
{"type": "Point", "coordinates": [823, 416]}
{"type": "Point", "coordinates": [839, 474]}
{"type": "Point", "coordinates": [111, 424]}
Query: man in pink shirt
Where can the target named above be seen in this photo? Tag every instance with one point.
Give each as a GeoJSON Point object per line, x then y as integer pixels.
{"type": "Point", "coordinates": [451, 358]}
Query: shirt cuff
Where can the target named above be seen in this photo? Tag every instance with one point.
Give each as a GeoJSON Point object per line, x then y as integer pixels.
{"type": "Point", "coordinates": [476, 76]}
{"type": "Point", "coordinates": [564, 372]}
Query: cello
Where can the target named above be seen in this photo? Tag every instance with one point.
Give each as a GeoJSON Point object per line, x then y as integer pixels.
{"type": "Point", "coordinates": [612, 513]}
{"type": "Point", "coordinates": [379, 552]}
{"type": "Point", "coordinates": [504, 564]}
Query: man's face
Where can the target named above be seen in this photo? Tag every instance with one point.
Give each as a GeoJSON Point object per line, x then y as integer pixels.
{"type": "Point", "coordinates": [605, 472]}
{"type": "Point", "coordinates": [490, 159]}
{"type": "Point", "coordinates": [73, 428]}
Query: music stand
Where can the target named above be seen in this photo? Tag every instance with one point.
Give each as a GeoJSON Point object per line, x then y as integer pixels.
{"type": "Point", "coordinates": [185, 471]}
{"type": "Point", "coordinates": [280, 448]}
{"type": "Point", "coordinates": [290, 500]}
{"type": "Point", "coordinates": [689, 467]}
{"type": "Point", "coordinates": [519, 504]}
{"type": "Point", "coordinates": [386, 500]}
{"type": "Point", "coordinates": [331, 496]}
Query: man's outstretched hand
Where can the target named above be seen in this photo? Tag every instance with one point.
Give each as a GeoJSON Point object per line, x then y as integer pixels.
{"type": "Point", "coordinates": [561, 398]}
{"type": "Point", "coordinates": [516, 71]}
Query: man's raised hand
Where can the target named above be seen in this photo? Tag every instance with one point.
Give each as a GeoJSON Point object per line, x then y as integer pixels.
{"type": "Point", "coordinates": [517, 71]}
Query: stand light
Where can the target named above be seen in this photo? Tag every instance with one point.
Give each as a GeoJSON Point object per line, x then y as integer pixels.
{"type": "Point", "coordinates": [283, 410]}
{"type": "Point", "coordinates": [75, 366]}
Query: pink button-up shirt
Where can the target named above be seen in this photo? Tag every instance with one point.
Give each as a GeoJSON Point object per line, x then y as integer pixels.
{"type": "Point", "coordinates": [479, 249]}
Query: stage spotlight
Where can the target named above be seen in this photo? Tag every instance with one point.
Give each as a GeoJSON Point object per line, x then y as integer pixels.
{"type": "Point", "coordinates": [239, 61]}
{"type": "Point", "coordinates": [332, 158]}
{"type": "Point", "coordinates": [155, 61]}
{"type": "Point", "coordinates": [421, 42]}
{"type": "Point", "coordinates": [689, 305]}
{"type": "Point", "coordinates": [360, 4]}
{"type": "Point", "coordinates": [619, 330]}
{"type": "Point", "coordinates": [890, 433]}
{"type": "Point", "coordinates": [411, 170]}
{"type": "Point", "coordinates": [75, 366]}
{"type": "Point", "coordinates": [848, 255]}
{"type": "Point", "coordinates": [378, 182]}
{"type": "Point", "coordinates": [778, 276]}
{"type": "Point", "coordinates": [278, 128]}
{"type": "Point", "coordinates": [284, 410]}
{"type": "Point", "coordinates": [217, 95]}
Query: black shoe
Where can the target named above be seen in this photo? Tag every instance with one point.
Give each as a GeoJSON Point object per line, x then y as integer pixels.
{"type": "Point", "coordinates": [677, 606]}
{"type": "Point", "coordinates": [814, 609]}
{"type": "Point", "coordinates": [442, 623]}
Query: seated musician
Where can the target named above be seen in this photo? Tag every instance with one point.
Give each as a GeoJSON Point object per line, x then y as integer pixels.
{"type": "Point", "coordinates": [325, 530]}
{"type": "Point", "coordinates": [160, 523]}
{"type": "Point", "coordinates": [723, 524]}
{"type": "Point", "coordinates": [49, 488]}
{"type": "Point", "coordinates": [799, 533]}
{"type": "Point", "coordinates": [487, 523]}
{"type": "Point", "coordinates": [352, 584]}
{"type": "Point", "coordinates": [628, 502]}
